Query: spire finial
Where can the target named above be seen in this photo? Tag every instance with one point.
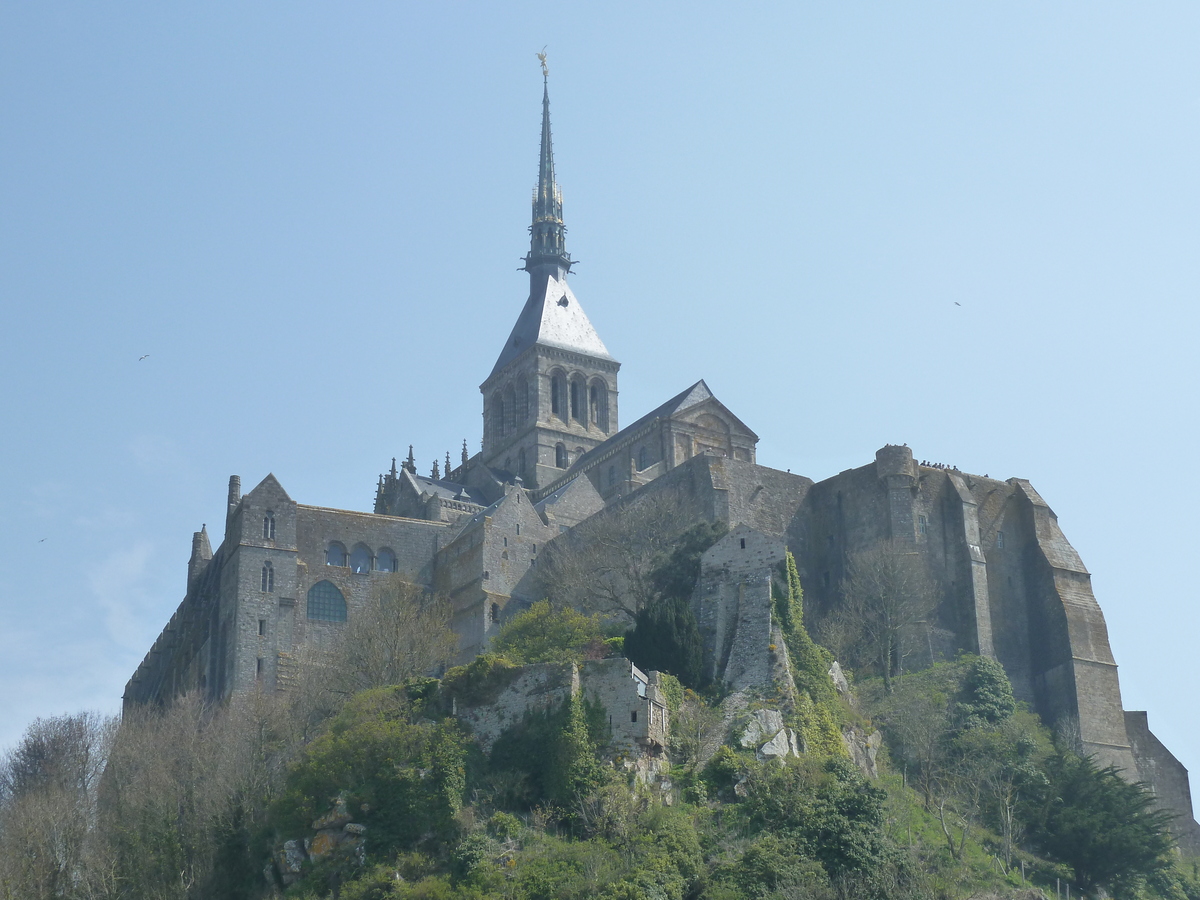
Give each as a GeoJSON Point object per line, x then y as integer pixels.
{"type": "Point", "coordinates": [547, 245]}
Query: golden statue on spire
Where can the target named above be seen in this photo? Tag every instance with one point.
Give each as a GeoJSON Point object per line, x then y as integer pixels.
{"type": "Point", "coordinates": [542, 59]}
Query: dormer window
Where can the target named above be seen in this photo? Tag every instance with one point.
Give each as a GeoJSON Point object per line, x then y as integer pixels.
{"type": "Point", "coordinates": [269, 526]}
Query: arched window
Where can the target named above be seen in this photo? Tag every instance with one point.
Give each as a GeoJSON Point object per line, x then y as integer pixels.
{"type": "Point", "coordinates": [510, 409]}
{"type": "Point", "coordinates": [268, 577]}
{"type": "Point", "coordinates": [326, 603]}
{"type": "Point", "coordinates": [560, 455]}
{"type": "Point", "coordinates": [521, 461]}
{"type": "Point", "coordinates": [643, 458]}
{"type": "Point", "coordinates": [385, 561]}
{"type": "Point", "coordinates": [579, 399]}
{"type": "Point", "coordinates": [335, 554]}
{"type": "Point", "coordinates": [269, 526]}
{"type": "Point", "coordinates": [522, 400]}
{"type": "Point", "coordinates": [598, 403]}
{"type": "Point", "coordinates": [360, 559]}
{"type": "Point", "coordinates": [558, 398]}
{"type": "Point", "coordinates": [497, 416]}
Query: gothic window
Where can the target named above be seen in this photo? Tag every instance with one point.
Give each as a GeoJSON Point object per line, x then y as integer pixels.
{"type": "Point", "coordinates": [521, 461]}
{"type": "Point", "coordinates": [598, 397]}
{"type": "Point", "coordinates": [385, 561]}
{"type": "Point", "coordinates": [335, 554]}
{"type": "Point", "coordinates": [594, 405]}
{"type": "Point", "coordinates": [268, 577]}
{"type": "Point", "coordinates": [560, 455]}
{"type": "Point", "coordinates": [326, 603]}
{"type": "Point", "coordinates": [360, 559]}
{"type": "Point", "coordinates": [269, 526]}
{"type": "Point", "coordinates": [575, 414]}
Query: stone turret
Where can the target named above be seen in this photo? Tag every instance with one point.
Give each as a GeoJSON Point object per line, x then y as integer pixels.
{"type": "Point", "coordinates": [201, 555]}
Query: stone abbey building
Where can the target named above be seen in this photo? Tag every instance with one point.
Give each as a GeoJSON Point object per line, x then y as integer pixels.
{"type": "Point", "coordinates": [288, 575]}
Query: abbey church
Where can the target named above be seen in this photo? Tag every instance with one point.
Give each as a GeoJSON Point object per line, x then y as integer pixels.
{"type": "Point", "coordinates": [287, 576]}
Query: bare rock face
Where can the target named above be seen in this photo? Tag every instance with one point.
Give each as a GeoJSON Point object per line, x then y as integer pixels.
{"type": "Point", "coordinates": [335, 818]}
{"type": "Point", "coordinates": [764, 724]}
{"type": "Point", "coordinates": [863, 749]}
{"type": "Point", "coordinates": [289, 860]}
{"type": "Point", "coordinates": [840, 684]}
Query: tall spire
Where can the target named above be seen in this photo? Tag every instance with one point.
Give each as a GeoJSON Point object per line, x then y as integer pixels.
{"type": "Point", "coordinates": [547, 245]}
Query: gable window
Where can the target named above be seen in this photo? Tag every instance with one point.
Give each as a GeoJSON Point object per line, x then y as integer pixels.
{"type": "Point", "coordinates": [268, 578]}
{"type": "Point", "coordinates": [269, 526]}
{"type": "Point", "coordinates": [326, 603]}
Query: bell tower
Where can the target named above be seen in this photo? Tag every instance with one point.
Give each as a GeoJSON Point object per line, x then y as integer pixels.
{"type": "Point", "coordinates": [552, 394]}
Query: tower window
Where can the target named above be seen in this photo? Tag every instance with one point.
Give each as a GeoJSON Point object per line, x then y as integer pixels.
{"type": "Point", "coordinates": [922, 525]}
{"type": "Point", "coordinates": [268, 577]}
{"type": "Point", "coordinates": [1000, 540]}
{"type": "Point", "coordinates": [262, 627]}
{"type": "Point", "coordinates": [326, 603]}
{"type": "Point", "coordinates": [521, 461]}
{"type": "Point", "coordinates": [557, 399]}
{"type": "Point", "coordinates": [269, 526]}
{"type": "Point", "coordinates": [575, 401]}
{"type": "Point", "coordinates": [560, 455]}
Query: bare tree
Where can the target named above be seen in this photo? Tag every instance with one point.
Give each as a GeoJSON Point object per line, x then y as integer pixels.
{"type": "Point", "coordinates": [401, 633]}
{"type": "Point", "coordinates": [888, 592]}
{"type": "Point", "coordinates": [48, 799]}
{"type": "Point", "coordinates": [697, 731]}
{"type": "Point", "coordinates": [603, 564]}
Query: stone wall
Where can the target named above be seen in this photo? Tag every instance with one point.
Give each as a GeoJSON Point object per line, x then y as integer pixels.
{"type": "Point", "coordinates": [732, 603]}
{"type": "Point", "coordinates": [1166, 776]}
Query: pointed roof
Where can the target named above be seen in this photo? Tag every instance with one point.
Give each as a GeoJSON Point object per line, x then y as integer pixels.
{"type": "Point", "coordinates": [552, 317]}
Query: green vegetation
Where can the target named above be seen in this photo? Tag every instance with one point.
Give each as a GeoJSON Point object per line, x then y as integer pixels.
{"type": "Point", "coordinates": [543, 634]}
{"type": "Point", "coordinates": [974, 799]}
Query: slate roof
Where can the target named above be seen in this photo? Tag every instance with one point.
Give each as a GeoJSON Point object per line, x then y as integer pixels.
{"type": "Point", "coordinates": [551, 322]}
{"type": "Point", "coordinates": [447, 490]}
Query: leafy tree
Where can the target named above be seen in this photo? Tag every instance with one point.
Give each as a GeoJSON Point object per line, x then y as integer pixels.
{"type": "Point", "coordinates": [1102, 826]}
{"type": "Point", "coordinates": [986, 696]}
{"type": "Point", "coordinates": [666, 638]}
{"type": "Point", "coordinates": [404, 778]}
{"type": "Point", "coordinates": [543, 634]}
{"type": "Point", "coordinates": [574, 769]}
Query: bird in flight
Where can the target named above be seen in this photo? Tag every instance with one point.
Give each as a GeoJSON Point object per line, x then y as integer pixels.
{"type": "Point", "coordinates": [140, 358]}
{"type": "Point", "coordinates": [956, 303]}
{"type": "Point", "coordinates": [42, 541]}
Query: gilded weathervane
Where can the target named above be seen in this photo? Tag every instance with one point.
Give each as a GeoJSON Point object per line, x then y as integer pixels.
{"type": "Point", "coordinates": [542, 59]}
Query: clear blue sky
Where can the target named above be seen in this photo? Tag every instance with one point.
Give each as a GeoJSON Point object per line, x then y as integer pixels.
{"type": "Point", "coordinates": [310, 215]}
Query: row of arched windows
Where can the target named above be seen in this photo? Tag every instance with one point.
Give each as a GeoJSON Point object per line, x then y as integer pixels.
{"type": "Point", "coordinates": [574, 399]}
{"type": "Point", "coordinates": [360, 559]}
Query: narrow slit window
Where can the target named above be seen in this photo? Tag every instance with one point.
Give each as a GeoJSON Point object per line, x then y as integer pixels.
{"type": "Point", "coordinates": [922, 525]}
